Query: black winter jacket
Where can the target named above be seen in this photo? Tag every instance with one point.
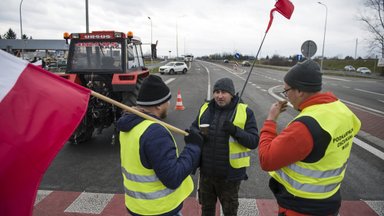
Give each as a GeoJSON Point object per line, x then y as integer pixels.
{"type": "Point", "coordinates": [215, 152]}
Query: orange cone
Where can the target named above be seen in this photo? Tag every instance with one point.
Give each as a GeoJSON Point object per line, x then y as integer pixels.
{"type": "Point", "coordinates": [179, 102]}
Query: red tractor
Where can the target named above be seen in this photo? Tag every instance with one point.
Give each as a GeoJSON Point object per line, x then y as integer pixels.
{"type": "Point", "coordinates": [110, 63]}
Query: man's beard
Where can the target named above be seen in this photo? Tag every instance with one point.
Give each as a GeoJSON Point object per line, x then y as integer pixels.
{"type": "Point", "coordinates": [164, 114]}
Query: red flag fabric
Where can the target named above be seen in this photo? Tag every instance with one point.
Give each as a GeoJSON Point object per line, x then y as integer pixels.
{"type": "Point", "coordinates": [38, 112]}
{"type": "Point", "coordinates": [284, 7]}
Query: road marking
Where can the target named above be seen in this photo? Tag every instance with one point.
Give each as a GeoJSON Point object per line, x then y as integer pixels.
{"type": "Point", "coordinates": [93, 203]}
{"type": "Point", "coordinates": [362, 90]}
{"type": "Point", "coordinates": [209, 83]}
{"type": "Point", "coordinates": [369, 148]}
{"type": "Point", "coordinates": [55, 205]}
{"type": "Point", "coordinates": [334, 78]}
{"type": "Point", "coordinates": [41, 195]}
{"type": "Point", "coordinates": [373, 111]}
{"type": "Point", "coordinates": [169, 81]}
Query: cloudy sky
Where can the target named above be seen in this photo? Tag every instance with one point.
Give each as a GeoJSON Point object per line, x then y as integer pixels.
{"type": "Point", "coordinates": [202, 26]}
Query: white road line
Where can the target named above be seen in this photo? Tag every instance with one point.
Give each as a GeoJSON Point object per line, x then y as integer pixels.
{"type": "Point", "coordinates": [41, 194]}
{"type": "Point", "coordinates": [91, 203]}
{"type": "Point", "coordinates": [373, 111]}
{"type": "Point", "coordinates": [209, 83]}
{"type": "Point", "coordinates": [334, 78]}
{"type": "Point", "coordinates": [369, 148]}
{"type": "Point", "coordinates": [362, 90]}
{"type": "Point", "coordinates": [169, 80]}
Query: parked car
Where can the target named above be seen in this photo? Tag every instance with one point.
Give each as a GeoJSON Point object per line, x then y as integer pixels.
{"type": "Point", "coordinates": [363, 70]}
{"type": "Point", "coordinates": [245, 64]}
{"type": "Point", "coordinates": [226, 61]}
{"type": "Point", "coordinates": [173, 67]}
{"type": "Point", "coordinates": [349, 68]}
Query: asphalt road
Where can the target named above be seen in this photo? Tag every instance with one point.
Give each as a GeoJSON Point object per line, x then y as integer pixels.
{"type": "Point", "coordinates": [95, 166]}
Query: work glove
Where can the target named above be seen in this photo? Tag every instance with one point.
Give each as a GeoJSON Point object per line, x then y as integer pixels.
{"type": "Point", "coordinates": [194, 138]}
{"type": "Point", "coordinates": [229, 127]}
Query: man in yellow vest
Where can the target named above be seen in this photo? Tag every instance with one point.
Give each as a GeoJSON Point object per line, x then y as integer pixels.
{"type": "Point", "coordinates": [156, 178]}
{"type": "Point", "coordinates": [308, 159]}
{"type": "Point", "coordinates": [226, 151]}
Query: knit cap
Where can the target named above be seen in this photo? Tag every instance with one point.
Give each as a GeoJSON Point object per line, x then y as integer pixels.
{"type": "Point", "coordinates": [224, 84]}
{"type": "Point", "coordinates": [305, 76]}
{"type": "Point", "coordinates": [153, 92]}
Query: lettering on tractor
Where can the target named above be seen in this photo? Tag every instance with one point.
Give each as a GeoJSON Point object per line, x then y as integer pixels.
{"type": "Point", "coordinates": [110, 63]}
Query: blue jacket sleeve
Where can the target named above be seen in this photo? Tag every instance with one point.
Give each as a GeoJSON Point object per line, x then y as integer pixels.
{"type": "Point", "coordinates": [159, 153]}
{"type": "Point", "coordinates": [249, 137]}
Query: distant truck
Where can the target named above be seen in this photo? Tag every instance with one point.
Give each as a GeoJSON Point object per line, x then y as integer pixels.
{"type": "Point", "coordinates": [110, 63]}
{"type": "Point", "coordinates": [188, 58]}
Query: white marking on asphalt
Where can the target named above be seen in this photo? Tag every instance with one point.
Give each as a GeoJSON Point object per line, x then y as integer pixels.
{"type": "Point", "coordinates": [334, 78]}
{"type": "Point", "coordinates": [169, 80]}
{"type": "Point", "coordinates": [369, 148]}
{"type": "Point", "coordinates": [41, 194]}
{"type": "Point", "coordinates": [373, 111]}
{"type": "Point", "coordinates": [377, 206]}
{"type": "Point", "coordinates": [247, 207]}
{"type": "Point", "coordinates": [90, 203]}
{"type": "Point", "coordinates": [209, 83]}
{"type": "Point", "coordinates": [362, 90]}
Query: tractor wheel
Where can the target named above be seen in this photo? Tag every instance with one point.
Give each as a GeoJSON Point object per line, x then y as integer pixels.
{"type": "Point", "coordinates": [129, 98]}
{"type": "Point", "coordinates": [83, 132]}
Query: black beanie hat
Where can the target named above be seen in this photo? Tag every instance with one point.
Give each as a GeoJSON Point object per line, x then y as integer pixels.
{"type": "Point", "coordinates": [305, 76]}
{"type": "Point", "coordinates": [224, 84]}
{"type": "Point", "coordinates": [153, 92]}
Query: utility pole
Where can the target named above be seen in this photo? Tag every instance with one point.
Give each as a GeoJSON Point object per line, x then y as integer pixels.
{"type": "Point", "coordinates": [325, 30]}
{"type": "Point", "coordinates": [86, 17]}
{"type": "Point", "coordinates": [356, 48]}
{"type": "Point", "coordinates": [21, 30]}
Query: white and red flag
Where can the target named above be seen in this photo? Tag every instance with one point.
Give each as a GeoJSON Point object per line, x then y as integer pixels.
{"type": "Point", "coordinates": [38, 112]}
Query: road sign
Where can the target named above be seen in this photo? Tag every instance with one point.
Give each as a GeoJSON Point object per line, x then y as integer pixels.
{"type": "Point", "coordinates": [237, 55]}
{"type": "Point", "coordinates": [308, 48]}
{"type": "Point", "coordinates": [299, 57]}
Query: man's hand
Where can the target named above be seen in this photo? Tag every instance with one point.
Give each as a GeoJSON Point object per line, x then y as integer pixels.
{"type": "Point", "coordinates": [229, 127]}
{"type": "Point", "coordinates": [276, 109]}
{"type": "Point", "coordinates": [194, 138]}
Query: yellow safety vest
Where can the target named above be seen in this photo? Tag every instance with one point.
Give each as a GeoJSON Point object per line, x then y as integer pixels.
{"type": "Point", "coordinates": [322, 179]}
{"type": "Point", "coordinates": [238, 154]}
{"type": "Point", "coordinates": [145, 194]}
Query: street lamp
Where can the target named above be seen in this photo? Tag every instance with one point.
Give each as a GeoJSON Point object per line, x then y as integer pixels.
{"type": "Point", "coordinates": [177, 38]}
{"type": "Point", "coordinates": [325, 30]}
{"type": "Point", "coordinates": [151, 41]}
{"type": "Point", "coordinates": [21, 29]}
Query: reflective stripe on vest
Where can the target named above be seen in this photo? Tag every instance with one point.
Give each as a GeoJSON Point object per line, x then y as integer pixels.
{"type": "Point", "coordinates": [238, 154]}
{"type": "Point", "coordinates": [144, 192]}
{"type": "Point", "coordinates": [322, 179]}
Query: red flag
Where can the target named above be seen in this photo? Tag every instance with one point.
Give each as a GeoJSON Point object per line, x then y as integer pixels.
{"type": "Point", "coordinates": [38, 113]}
{"type": "Point", "coordinates": [284, 7]}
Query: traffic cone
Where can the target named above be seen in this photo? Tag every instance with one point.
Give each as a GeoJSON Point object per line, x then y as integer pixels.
{"type": "Point", "coordinates": [179, 102]}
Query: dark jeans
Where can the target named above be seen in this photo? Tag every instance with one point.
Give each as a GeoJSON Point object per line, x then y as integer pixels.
{"type": "Point", "coordinates": [227, 191]}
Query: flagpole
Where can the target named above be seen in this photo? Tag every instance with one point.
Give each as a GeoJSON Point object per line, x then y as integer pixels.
{"type": "Point", "coordinates": [134, 111]}
{"type": "Point", "coordinates": [253, 65]}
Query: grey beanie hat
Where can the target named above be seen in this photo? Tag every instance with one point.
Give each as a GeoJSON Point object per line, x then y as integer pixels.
{"type": "Point", "coordinates": [224, 84]}
{"type": "Point", "coordinates": [305, 76]}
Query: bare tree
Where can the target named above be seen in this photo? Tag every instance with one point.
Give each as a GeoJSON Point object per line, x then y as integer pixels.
{"type": "Point", "coordinates": [374, 21]}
